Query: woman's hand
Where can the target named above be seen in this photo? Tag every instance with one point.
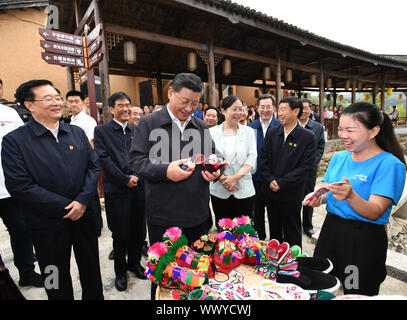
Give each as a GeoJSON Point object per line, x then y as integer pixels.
{"type": "Point", "coordinates": [314, 202]}
{"type": "Point", "coordinates": [341, 191]}
{"type": "Point", "coordinates": [229, 182]}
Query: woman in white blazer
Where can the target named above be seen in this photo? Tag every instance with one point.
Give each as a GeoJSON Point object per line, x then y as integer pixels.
{"type": "Point", "coordinates": [232, 195]}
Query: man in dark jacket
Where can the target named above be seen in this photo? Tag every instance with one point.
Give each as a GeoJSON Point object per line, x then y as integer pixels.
{"type": "Point", "coordinates": [52, 169]}
{"type": "Point", "coordinates": [287, 156]}
{"type": "Point", "coordinates": [266, 106]}
{"type": "Point", "coordinates": [124, 204]}
{"type": "Point", "coordinates": [318, 130]}
{"type": "Point", "coordinates": [174, 197]}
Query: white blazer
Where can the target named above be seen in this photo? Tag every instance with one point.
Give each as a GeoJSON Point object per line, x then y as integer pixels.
{"type": "Point", "coordinates": [246, 153]}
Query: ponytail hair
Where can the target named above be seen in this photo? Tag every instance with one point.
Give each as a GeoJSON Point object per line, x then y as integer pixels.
{"type": "Point", "coordinates": [370, 116]}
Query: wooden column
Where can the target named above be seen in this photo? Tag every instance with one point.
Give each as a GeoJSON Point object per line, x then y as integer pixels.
{"type": "Point", "coordinates": [159, 88]}
{"type": "Point", "coordinates": [211, 76]}
{"type": "Point", "coordinates": [383, 92]}
{"type": "Point", "coordinates": [353, 89]}
{"type": "Point", "coordinates": [334, 92]}
{"type": "Point", "coordinates": [103, 68]}
{"type": "Point", "coordinates": [278, 76]}
{"type": "Point", "coordinates": [374, 92]}
{"type": "Point", "coordinates": [220, 92]}
{"type": "Point", "coordinates": [321, 91]}
{"type": "Point", "coordinates": [70, 78]}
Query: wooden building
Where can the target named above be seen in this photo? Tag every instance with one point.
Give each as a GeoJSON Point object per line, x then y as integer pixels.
{"type": "Point", "coordinates": [227, 45]}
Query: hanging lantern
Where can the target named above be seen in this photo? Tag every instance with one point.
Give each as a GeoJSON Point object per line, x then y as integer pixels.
{"type": "Point", "coordinates": [340, 97]}
{"type": "Point", "coordinates": [226, 67]}
{"type": "Point", "coordinates": [379, 97]}
{"type": "Point", "coordinates": [400, 96]}
{"type": "Point", "coordinates": [313, 80]}
{"type": "Point", "coordinates": [130, 52]}
{"type": "Point", "coordinates": [389, 91]}
{"type": "Point", "coordinates": [288, 75]}
{"type": "Point", "coordinates": [347, 85]}
{"type": "Point", "coordinates": [328, 97]}
{"type": "Point", "coordinates": [306, 95]}
{"type": "Point", "coordinates": [359, 86]}
{"type": "Point", "coordinates": [266, 73]}
{"type": "Point", "coordinates": [192, 61]}
{"type": "Point", "coordinates": [367, 97]}
{"type": "Point", "coordinates": [329, 83]}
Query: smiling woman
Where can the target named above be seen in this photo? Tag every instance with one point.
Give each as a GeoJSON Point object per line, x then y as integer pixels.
{"type": "Point", "coordinates": [373, 170]}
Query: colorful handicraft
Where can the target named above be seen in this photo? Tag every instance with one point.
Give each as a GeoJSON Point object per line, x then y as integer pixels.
{"type": "Point", "coordinates": [248, 241]}
{"type": "Point", "coordinates": [172, 263]}
{"type": "Point", "coordinates": [227, 254]}
{"type": "Point", "coordinates": [210, 164]}
{"type": "Point", "coordinates": [206, 243]}
{"type": "Point", "coordinates": [279, 259]}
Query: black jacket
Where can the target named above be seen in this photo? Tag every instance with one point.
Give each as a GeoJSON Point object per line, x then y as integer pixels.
{"type": "Point", "coordinates": [47, 175]}
{"type": "Point", "coordinates": [318, 131]}
{"type": "Point", "coordinates": [158, 142]}
{"type": "Point", "coordinates": [287, 162]}
{"type": "Point", "coordinates": [113, 148]}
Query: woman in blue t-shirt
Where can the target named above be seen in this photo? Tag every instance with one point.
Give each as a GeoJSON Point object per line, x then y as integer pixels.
{"type": "Point", "coordinates": [372, 172]}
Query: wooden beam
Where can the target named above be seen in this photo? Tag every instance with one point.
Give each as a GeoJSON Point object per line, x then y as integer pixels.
{"type": "Point", "coordinates": [86, 17]}
{"type": "Point", "coordinates": [173, 41]}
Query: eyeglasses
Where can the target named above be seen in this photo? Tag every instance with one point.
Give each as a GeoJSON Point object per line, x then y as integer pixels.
{"type": "Point", "coordinates": [57, 99]}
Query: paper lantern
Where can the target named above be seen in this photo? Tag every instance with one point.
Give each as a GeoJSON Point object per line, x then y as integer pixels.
{"type": "Point", "coordinates": [130, 52]}
{"type": "Point", "coordinates": [305, 95]}
{"type": "Point", "coordinates": [367, 97]}
{"type": "Point", "coordinates": [389, 91]}
{"type": "Point", "coordinates": [328, 97]}
{"type": "Point", "coordinates": [313, 80]}
{"type": "Point", "coordinates": [400, 96]}
{"type": "Point", "coordinates": [340, 97]}
{"type": "Point", "coordinates": [347, 84]}
{"type": "Point", "coordinates": [288, 75]}
{"type": "Point", "coordinates": [266, 73]}
{"type": "Point", "coordinates": [192, 61]}
{"type": "Point", "coordinates": [226, 67]}
{"type": "Point", "coordinates": [329, 83]}
{"type": "Point", "coordinates": [379, 97]}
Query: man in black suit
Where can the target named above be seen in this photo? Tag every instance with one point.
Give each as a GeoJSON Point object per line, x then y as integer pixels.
{"type": "Point", "coordinates": [287, 156]}
{"type": "Point", "coordinates": [318, 130]}
{"type": "Point", "coordinates": [124, 204]}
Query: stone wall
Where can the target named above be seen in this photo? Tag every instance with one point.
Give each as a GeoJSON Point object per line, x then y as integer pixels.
{"type": "Point", "coordinates": [334, 146]}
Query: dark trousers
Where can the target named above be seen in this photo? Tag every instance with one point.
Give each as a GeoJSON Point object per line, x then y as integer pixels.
{"type": "Point", "coordinates": [155, 234]}
{"type": "Point", "coordinates": [98, 212]}
{"type": "Point", "coordinates": [357, 251]}
{"type": "Point", "coordinates": [285, 221]}
{"type": "Point", "coordinates": [53, 249]}
{"type": "Point", "coordinates": [126, 219]}
{"type": "Point", "coordinates": [308, 211]}
{"type": "Point", "coordinates": [12, 215]}
{"type": "Point", "coordinates": [259, 205]}
{"type": "Point", "coordinates": [231, 207]}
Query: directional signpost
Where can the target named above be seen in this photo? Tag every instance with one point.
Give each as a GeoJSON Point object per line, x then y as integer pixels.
{"type": "Point", "coordinates": [69, 50]}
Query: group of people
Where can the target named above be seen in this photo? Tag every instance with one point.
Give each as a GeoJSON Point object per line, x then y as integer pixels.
{"type": "Point", "coordinates": [51, 171]}
{"type": "Point", "coordinates": [333, 112]}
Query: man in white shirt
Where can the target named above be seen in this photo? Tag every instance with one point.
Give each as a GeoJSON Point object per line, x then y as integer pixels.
{"type": "Point", "coordinates": [12, 214]}
{"type": "Point", "coordinates": [80, 118]}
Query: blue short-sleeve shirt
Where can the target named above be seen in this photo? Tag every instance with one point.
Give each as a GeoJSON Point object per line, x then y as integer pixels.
{"type": "Point", "coordinates": [382, 175]}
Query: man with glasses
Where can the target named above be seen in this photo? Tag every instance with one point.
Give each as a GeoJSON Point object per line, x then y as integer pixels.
{"type": "Point", "coordinates": [51, 168]}
{"type": "Point", "coordinates": [123, 202]}
{"type": "Point", "coordinates": [266, 107]}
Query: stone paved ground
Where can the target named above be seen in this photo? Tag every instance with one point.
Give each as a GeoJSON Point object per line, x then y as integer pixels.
{"type": "Point", "coordinates": [140, 289]}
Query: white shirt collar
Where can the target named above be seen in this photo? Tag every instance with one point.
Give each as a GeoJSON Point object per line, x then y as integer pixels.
{"type": "Point", "coordinates": [121, 124]}
{"type": "Point", "coordinates": [55, 131]}
{"type": "Point", "coordinates": [176, 120]}
{"type": "Point", "coordinates": [79, 115]}
{"type": "Point", "coordinates": [303, 125]}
